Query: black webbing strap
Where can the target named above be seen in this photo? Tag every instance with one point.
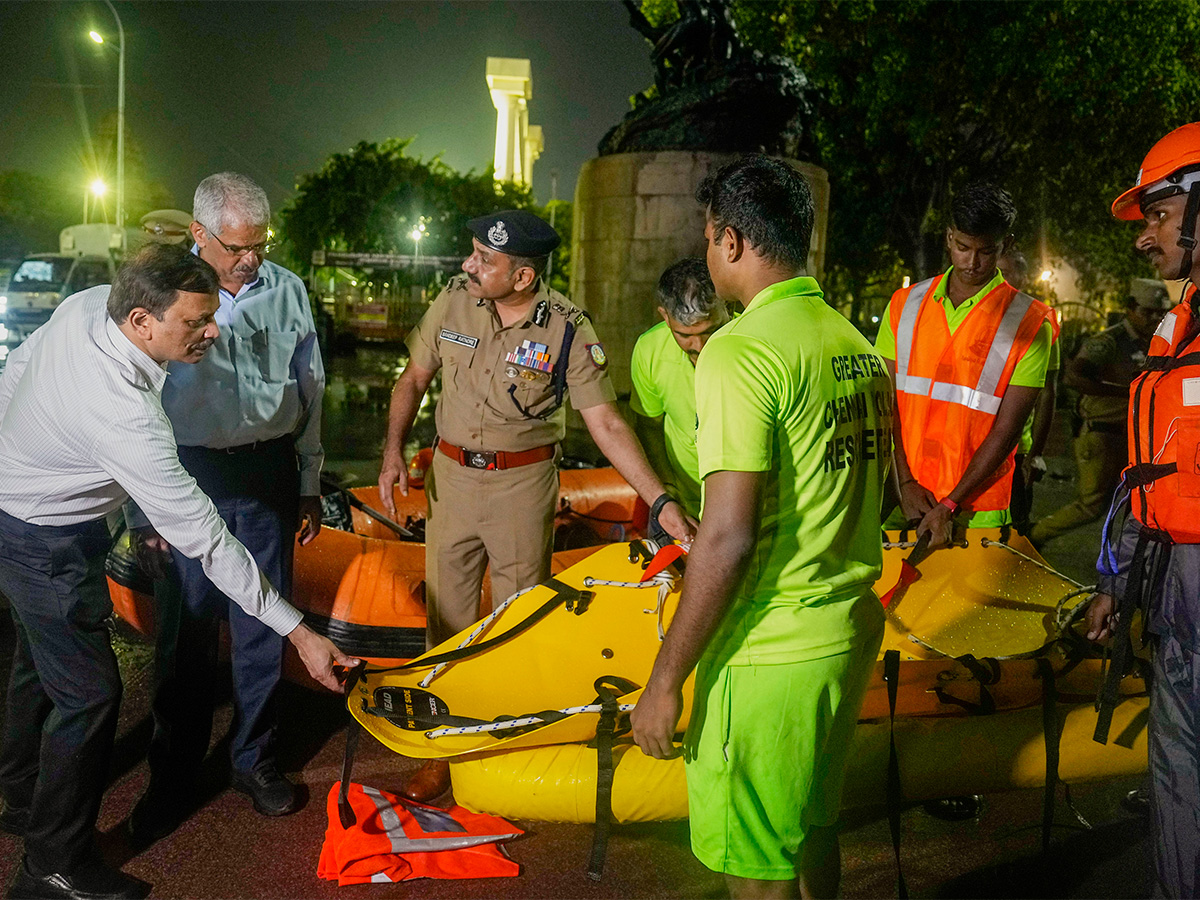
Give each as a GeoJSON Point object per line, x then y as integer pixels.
{"type": "Point", "coordinates": [345, 811]}
{"type": "Point", "coordinates": [985, 671]}
{"type": "Point", "coordinates": [562, 593]}
{"type": "Point", "coordinates": [605, 729]}
{"type": "Point", "coordinates": [1050, 732]}
{"type": "Point", "coordinates": [1122, 647]}
{"type": "Point", "coordinates": [895, 793]}
{"type": "Point", "coordinates": [1144, 473]}
{"type": "Point", "coordinates": [1167, 363]}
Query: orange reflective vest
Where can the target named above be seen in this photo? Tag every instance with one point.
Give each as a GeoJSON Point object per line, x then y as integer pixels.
{"type": "Point", "coordinates": [395, 840]}
{"type": "Point", "coordinates": [949, 386]}
{"type": "Point", "coordinates": [1164, 430]}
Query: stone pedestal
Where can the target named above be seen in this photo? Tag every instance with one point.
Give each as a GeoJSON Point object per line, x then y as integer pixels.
{"type": "Point", "coordinates": [635, 214]}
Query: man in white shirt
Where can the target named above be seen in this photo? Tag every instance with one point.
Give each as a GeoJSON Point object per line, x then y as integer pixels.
{"type": "Point", "coordinates": [82, 430]}
{"type": "Point", "coordinates": [247, 419]}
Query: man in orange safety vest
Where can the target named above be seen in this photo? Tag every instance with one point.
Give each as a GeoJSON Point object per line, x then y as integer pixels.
{"type": "Point", "coordinates": [967, 353]}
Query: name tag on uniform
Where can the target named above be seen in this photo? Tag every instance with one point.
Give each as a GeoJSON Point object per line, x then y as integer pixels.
{"type": "Point", "coordinates": [455, 338]}
{"type": "Point", "coordinates": [1191, 392]}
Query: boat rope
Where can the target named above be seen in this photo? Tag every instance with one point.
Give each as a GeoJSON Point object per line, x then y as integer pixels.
{"type": "Point", "coordinates": [475, 633]}
{"type": "Point", "coordinates": [664, 581]}
{"type": "Point", "coordinates": [987, 542]}
{"type": "Point", "coordinates": [524, 721]}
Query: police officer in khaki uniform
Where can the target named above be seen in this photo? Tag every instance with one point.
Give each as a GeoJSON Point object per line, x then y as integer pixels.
{"type": "Point", "coordinates": [509, 348]}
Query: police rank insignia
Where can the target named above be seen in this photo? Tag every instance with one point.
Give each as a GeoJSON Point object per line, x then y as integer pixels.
{"type": "Point", "coordinates": [541, 314]}
{"type": "Point", "coordinates": [497, 234]}
{"type": "Point", "coordinates": [599, 359]}
{"type": "Point", "coordinates": [532, 355]}
{"type": "Point", "coordinates": [455, 338]}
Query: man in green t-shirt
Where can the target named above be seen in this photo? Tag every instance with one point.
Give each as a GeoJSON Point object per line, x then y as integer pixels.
{"type": "Point", "coordinates": [664, 376]}
{"type": "Point", "coordinates": [777, 613]}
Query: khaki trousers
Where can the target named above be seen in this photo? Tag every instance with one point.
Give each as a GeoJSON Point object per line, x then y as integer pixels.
{"type": "Point", "coordinates": [477, 518]}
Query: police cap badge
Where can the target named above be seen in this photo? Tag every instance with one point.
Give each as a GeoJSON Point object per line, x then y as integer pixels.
{"type": "Point", "coordinates": [515, 232]}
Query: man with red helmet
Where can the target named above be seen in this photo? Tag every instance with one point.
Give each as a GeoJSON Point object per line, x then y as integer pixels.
{"type": "Point", "coordinates": [1152, 558]}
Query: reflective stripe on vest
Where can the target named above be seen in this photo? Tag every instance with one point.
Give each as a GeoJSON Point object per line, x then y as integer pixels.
{"type": "Point", "coordinates": [982, 395]}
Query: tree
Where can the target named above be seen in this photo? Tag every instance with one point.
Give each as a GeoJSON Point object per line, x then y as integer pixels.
{"type": "Point", "coordinates": [370, 199]}
{"type": "Point", "coordinates": [33, 210]}
{"type": "Point", "coordinates": [1057, 101]}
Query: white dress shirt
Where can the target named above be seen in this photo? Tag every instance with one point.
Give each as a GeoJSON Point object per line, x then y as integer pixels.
{"type": "Point", "coordinates": [262, 379]}
{"type": "Point", "coordinates": [82, 429]}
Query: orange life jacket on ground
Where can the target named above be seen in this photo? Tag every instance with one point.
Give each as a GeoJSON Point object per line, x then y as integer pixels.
{"type": "Point", "coordinates": [949, 386]}
{"type": "Point", "coordinates": [1164, 430]}
{"type": "Point", "coordinates": [396, 840]}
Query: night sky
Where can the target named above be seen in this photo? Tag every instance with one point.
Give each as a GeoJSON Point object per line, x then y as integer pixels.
{"type": "Point", "coordinates": [271, 89]}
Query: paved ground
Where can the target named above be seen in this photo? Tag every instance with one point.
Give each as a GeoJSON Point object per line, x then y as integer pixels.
{"type": "Point", "coordinates": [225, 850]}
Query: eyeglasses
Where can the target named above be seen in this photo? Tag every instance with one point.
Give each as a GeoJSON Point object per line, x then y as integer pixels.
{"type": "Point", "coordinates": [260, 249]}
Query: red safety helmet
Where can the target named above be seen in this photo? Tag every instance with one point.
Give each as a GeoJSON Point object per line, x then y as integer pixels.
{"type": "Point", "coordinates": [1171, 167]}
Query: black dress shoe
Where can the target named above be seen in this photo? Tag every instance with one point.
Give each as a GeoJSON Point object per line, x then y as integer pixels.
{"type": "Point", "coordinates": [272, 793]}
{"type": "Point", "coordinates": [93, 882]}
{"type": "Point", "coordinates": [14, 819]}
{"type": "Point", "coordinates": [156, 814]}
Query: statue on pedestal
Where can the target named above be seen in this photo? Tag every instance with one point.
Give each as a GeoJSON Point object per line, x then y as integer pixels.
{"type": "Point", "coordinates": [712, 92]}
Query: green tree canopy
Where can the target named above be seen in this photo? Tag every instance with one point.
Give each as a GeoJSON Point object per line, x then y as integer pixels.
{"type": "Point", "coordinates": [370, 199]}
{"type": "Point", "coordinates": [1057, 101]}
{"type": "Point", "coordinates": [33, 210]}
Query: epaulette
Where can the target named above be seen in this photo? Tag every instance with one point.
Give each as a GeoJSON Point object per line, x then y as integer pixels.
{"type": "Point", "coordinates": [457, 283]}
{"type": "Point", "coordinates": [566, 309]}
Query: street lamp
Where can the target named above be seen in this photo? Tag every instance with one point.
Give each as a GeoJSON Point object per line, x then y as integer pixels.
{"type": "Point", "coordinates": [96, 189]}
{"type": "Point", "coordinates": [99, 39]}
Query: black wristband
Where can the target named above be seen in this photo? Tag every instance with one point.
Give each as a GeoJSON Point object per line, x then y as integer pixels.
{"type": "Point", "coordinates": [662, 501]}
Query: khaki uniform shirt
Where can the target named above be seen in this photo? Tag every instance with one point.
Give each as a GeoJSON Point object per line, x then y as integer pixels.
{"type": "Point", "coordinates": [485, 365]}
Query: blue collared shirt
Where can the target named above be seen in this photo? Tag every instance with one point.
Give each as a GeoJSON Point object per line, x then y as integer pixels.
{"type": "Point", "coordinates": [262, 379]}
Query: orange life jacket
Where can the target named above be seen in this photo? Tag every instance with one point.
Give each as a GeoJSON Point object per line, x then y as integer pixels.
{"type": "Point", "coordinates": [949, 386]}
{"type": "Point", "coordinates": [1164, 430]}
{"type": "Point", "coordinates": [395, 840]}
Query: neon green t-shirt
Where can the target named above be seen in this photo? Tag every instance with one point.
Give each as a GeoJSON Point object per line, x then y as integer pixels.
{"type": "Point", "coordinates": [664, 382]}
{"type": "Point", "coordinates": [1030, 370]}
{"type": "Point", "coordinates": [792, 389]}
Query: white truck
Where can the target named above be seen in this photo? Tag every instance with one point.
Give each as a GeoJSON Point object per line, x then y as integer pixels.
{"type": "Point", "coordinates": [88, 255]}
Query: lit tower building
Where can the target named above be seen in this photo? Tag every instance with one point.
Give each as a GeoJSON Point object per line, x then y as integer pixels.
{"type": "Point", "coordinates": [518, 144]}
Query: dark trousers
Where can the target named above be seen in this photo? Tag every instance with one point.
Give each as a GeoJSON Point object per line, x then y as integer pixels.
{"type": "Point", "coordinates": [64, 690]}
{"type": "Point", "coordinates": [255, 492]}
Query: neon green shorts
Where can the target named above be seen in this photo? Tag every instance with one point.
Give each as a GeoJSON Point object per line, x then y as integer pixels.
{"type": "Point", "coordinates": [767, 750]}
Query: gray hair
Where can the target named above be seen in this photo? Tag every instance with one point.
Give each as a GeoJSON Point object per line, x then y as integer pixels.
{"type": "Point", "coordinates": [686, 292]}
{"type": "Point", "coordinates": [227, 200]}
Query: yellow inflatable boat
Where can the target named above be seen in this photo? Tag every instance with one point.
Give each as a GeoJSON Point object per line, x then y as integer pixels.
{"type": "Point", "coordinates": [981, 636]}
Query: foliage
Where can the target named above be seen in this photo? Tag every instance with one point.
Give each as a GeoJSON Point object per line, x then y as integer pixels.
{"type": "Point", "coordinates": [1057, 101]}
{"type": "Point", "coordinates": [370, 199]}
{"type": "Point", "coordinates": [33, 210]}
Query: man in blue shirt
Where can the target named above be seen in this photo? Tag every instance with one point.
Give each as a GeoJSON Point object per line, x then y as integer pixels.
{"type": "Point", "coordinates": [248, 425]}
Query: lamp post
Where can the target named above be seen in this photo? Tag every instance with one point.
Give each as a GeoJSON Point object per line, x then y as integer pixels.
{"type": "Point", "coordinates": [96, 189]}
{"type": "Point", "coordinates": [95, 36]}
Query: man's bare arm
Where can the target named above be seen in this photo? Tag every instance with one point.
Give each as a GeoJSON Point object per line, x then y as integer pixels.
{"type": "Point", "coordinates": [915, 498]}
{"type": "Point", "coordinates": [716, 567]}
{"type": "Point", "coordinates": [410, 388]}
{"type": "Point", "coordinates": [650, 435]}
